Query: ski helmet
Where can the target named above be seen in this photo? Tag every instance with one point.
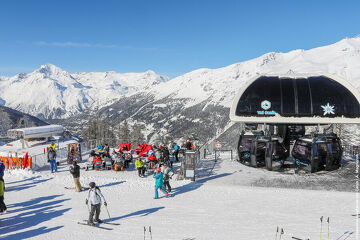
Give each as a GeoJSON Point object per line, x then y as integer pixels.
{"type": "Point", "coordinates": [158, 169]}
{"type": "Point", "coordinates": [92, 184]}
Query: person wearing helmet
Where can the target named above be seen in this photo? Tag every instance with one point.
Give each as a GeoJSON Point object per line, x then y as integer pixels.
{"type": "Point", "coordinates": [158, 175]}
{"type": "Point", "coordinates": [75, 172]}
{"type": "Point", "coordinates": [94, 198]}
{"type": "Point", "coordinates": [168, 173]}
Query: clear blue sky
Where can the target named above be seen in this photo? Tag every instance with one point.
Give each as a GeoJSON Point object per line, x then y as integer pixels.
{"type": "Point", "coordinates": [171, 37]}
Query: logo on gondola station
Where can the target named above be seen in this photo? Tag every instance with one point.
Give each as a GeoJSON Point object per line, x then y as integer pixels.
{"type": "Point", "coordinates": [266, 105]}
{"type": "Point", "coordinates": [328, 109]}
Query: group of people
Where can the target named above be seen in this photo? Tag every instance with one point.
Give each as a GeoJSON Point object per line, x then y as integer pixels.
{"type": "Point", "coordinates": [159, 157]}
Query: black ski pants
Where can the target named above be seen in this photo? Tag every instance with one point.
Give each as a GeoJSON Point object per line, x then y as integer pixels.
{"type": "Point", "coordinates": [167, 185]}
{"type": "Point", "coordinates": [176, 153]}
{"type": "Point", "coordinates": [95, 209]}
{"type": "Point", "coordinates": [2, 204]}
{"type": "Point", "coordinates": [141, 171]}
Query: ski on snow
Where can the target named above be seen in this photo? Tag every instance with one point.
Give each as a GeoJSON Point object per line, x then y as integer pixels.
{"type": "Point", "coordinates": [110, 223]}
{"type": "Point", "coordinates": [96, 226]}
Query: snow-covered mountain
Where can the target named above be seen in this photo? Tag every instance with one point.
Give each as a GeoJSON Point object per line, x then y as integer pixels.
{"type": "Point", "coordinates": [198, 102]}
{"type": "Point", "coordinates": [50, 92]}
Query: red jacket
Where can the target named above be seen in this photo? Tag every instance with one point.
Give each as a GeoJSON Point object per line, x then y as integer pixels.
{"type": "Point", "coordinates": [152, 158]}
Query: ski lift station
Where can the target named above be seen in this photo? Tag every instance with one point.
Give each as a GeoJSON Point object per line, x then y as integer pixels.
{"type": "Point", "coordinates": [278, 112]}
{"type": "Point", "coordinates": [32, 140]}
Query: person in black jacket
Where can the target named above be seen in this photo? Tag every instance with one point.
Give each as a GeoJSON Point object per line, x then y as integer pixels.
{"type": "Point", "coordinates": [75, 171]}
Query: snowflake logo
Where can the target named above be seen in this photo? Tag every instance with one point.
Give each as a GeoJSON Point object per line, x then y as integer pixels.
{"type": "Point", "coordinates": [266, 105]}
{"type": "Point", "coordinates": [328, 109]}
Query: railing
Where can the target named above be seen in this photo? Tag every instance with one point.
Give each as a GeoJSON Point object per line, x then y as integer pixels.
{"type": "Point", "coordinates": [351, 150]}
{"type": "Point", "coordinates": [40, 160]}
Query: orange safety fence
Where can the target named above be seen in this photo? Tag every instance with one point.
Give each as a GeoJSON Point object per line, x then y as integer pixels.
{"type": "Point", "coordinates": [13, 162]}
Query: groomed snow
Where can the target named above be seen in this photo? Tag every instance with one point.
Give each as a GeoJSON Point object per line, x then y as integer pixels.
{"type": "Point", "coordinates": [221, 204]}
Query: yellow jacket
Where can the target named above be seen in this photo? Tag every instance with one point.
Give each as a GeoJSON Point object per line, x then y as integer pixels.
{"type": "Point", "coordinates": [139, 163]}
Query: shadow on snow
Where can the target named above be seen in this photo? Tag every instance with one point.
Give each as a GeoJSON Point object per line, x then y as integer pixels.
{"type": "Point", "coordinates": [27, 185]}
{"type": "Point", "coordinates": [32, 213]}
{"type": "Point", "coordinates": [140, 213]}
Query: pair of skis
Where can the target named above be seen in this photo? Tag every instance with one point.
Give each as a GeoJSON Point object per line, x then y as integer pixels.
{"type": "Point", "coordinates": [280, 234]}
{"type": "Point", "coordinates": [98, 225]}
{"type": "Point", "coordinates": [321, 227]}
{"type": "Point", "coordinates": [149, 232]}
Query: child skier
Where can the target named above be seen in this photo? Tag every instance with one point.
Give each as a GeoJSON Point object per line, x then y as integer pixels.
{"type": "Point", "coordinates": [168, 173]}
{"type": "Point", "coordinates": [94, 197]}
{"type": "Point", "coordinates": [158, 175]}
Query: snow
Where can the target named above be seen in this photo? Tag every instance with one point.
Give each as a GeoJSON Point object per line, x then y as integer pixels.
{"type": "Point", "coordinates": [223, 203]}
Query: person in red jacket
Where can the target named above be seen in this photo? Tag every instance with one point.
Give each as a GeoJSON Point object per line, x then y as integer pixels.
{"type": "Point", "coordinates": [152, 161]}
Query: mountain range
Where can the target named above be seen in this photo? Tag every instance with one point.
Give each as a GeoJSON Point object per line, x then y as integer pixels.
{"type": "Point", "coordinates": [195, 103]}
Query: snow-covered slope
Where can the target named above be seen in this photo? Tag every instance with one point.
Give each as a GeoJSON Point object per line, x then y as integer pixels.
{"type": "Point", "coordinates": [227, 201]}
{"type": "Point", "coordinates": [50, 92]}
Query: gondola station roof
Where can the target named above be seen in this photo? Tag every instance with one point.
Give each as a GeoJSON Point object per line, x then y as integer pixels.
{"type": "Point", "coordinates": [305, 99]}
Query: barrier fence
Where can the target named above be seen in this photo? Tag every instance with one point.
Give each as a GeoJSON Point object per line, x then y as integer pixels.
{"type": "Point", "coordinates": [14, 161]}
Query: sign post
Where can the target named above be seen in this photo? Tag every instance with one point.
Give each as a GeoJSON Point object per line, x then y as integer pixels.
{"type": "Point", "coordinates": [189, 166]}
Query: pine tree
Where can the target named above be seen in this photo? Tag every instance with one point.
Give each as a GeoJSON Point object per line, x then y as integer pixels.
{"type": "Point", "coordinates": [5, 123]}
{"type": "Point", "coordinates": [137, 137]}
{"type": "Point", "coordinates": [124, 132]}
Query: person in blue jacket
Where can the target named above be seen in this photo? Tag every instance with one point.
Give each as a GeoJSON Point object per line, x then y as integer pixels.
{"type": "Point", "coordinates": [158, 175]}
{"type": "Point", "coordinates": [176, 151]}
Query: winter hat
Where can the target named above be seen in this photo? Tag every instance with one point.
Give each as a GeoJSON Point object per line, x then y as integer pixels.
{"type": "Point", "coordinates": [158, 169]}
{"type": "Point", "coordinates": [92, 184]}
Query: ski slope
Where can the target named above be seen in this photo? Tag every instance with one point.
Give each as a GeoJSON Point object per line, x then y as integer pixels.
{"type": "Point", "coordinates": [223, 203]}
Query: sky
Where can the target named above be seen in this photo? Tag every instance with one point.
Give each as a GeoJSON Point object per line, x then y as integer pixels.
{"type": "Point", "coordinates": [170, 37]}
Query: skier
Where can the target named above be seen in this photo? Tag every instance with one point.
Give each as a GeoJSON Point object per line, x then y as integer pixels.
{"type": "Point", "coordinates": [176, 152]}
{"type": "Point", "coordinates": [75, 171]}
{"type": "Point", "coordinates": [2, 204]}
{"type": "Point", "coordinates": [158, 175]}
{"type": "Point", "coordinates": [2, 169]}
{"type": "Point", "coordinates": [94, 197]}
{"type": "Point", "coordinates": [139, 164]}
{"type": "Point", "coordinates": [166, 170]}
{"type": "Point", "coordinates": [51, 158]}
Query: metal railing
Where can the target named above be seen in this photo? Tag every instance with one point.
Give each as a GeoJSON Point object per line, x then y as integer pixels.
{"type": "Point", "coordinates": [40, 160]}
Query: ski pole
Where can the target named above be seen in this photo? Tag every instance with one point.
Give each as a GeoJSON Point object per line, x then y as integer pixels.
{"type": "Point", "coordinates": [108, 213]}
{"type": "Point", "coordinates": [144, 232]}
{"type": "Point", "coordinates": [150, 232]}
{"type": "Point", "coordinates": [328, 221]}
{"type": "Point", "coordinates": [277, 230]}
{"type": "Point", "coordinates": [321, 221]}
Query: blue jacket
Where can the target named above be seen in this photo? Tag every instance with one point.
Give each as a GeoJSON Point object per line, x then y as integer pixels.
{"type": "Point", "coordinates": [176, 147]}
{"type": "Point", "coordinates": [159, 179]}
{"type": "Point", "coordinates": [2, 168]}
